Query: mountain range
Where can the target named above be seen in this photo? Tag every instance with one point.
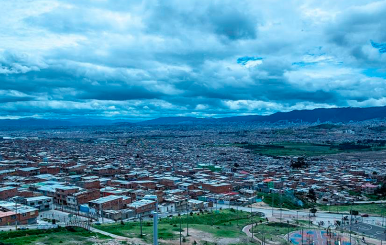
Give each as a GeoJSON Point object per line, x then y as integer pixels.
{"type": "Point", "coordinates": [316, 115]}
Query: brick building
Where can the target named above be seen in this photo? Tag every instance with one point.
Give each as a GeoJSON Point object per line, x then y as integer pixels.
{"type": "Point", "coordinates": [7, 192]}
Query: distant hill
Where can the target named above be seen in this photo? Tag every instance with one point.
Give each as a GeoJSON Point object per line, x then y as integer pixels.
{"type": "Point", "coordinates": [175, 120]}
{"type": "Point", "coordinates": [317, 115]}
{"type": "Point", "coordinates": [329, 115]}
{"type": "Point", "coordinates": [52, 123]}
{"type": "Point", "coordinates": [322, 115]}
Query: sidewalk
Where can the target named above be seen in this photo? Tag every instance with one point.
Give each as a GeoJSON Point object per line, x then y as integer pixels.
{"type": "Point", "coordinates": [119, 238]}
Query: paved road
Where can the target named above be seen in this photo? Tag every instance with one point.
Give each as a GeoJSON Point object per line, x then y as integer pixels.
{"type": "Point", "coordinates": [247, 231]}
{"type": "Point", "coordinates": [293, 214]}
{"type": "Point", "coordinates": [367, 229]}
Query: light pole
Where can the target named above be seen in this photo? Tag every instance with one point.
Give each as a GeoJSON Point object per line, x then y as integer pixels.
{"type": "Point", "coordinates": [180, 230]}
{"type": "Point", "coordinates": [351, 222]}
{"type": "Point", "coordinates": [262, 234]}
{"type": "Point", "coordinates": [140, 223]}
{"type": "Point", "coordinates": [237, 211]}
{"type": "Point", "coordinates": [302, 235]}
{"type": "Point", "coordinates": [155, 227]}
{"type": "Point", "coordinates": [252, 229]}
{"type": "Point", "coordinates": [288, 230]}
{"type": "Point", "coordinates": [187, 218]}
{"type": "Point", "coordinates": [16, 212]}
{"type": "Point", "coordinates": [281, 204]}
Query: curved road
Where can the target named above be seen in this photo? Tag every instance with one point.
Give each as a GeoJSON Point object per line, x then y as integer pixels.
{"type": "Point", "coordinates": [292, 214]}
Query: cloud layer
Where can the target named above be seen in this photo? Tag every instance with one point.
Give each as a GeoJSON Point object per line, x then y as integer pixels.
{"type": "Point", "coordinates": [145, 59]}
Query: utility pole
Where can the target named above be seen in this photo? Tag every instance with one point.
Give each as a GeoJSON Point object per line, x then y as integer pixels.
{"type": "Point", "coordinates": [16, 212]}
{"type": "Point", "coordinates": [237, 211]}
{"type": "Point", "coordinates": [273, 197]}
{"type": "Point", "coordinates": [252, 231]}
{"type": "Point", "coordinates": [140, 223]}
{"type": "Point", "coordinates": [281, 204]}
{"type": "Point", "coordinates": [262, 234]}
{"type": "Point", "coordinates": [351, 222]}
{"type": "Point", "coordinates": [100, 209]}
{"type": "Point", "coordinates": [187, 218]}
{"type": "Point", "coordinates": [302, 235]}
{"type": "Point", "coordinates": [180, 230]}
{"type": "Point", "coordinates": [288, 230]}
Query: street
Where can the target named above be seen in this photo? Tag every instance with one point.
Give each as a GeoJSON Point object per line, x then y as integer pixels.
{"type": "Point", "coordinates": [367, 229]}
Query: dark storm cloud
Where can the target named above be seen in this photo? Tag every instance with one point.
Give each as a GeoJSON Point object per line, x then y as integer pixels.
{"type": "Point", "coordinates": [154, 58]}
{"type": "Point", "coordinates": [221, 18]}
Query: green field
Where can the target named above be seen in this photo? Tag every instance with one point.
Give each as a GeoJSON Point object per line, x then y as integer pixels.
{"type": "Point", "coordinates": [274, 231]}
{"type": "Point", "coordinates": [61, 236]}
{"type": "Point", "coordinates": [307, 149]}
{"type": "Point", "coordinates": [226, 223]}
{"type": "Point", "coordinates": [371, 209]}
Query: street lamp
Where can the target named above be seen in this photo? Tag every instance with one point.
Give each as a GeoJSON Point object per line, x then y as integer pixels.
{"type": "Point", "coordinates": [180, 229]}
{"type": "Point", "coordinates": [288, 230]}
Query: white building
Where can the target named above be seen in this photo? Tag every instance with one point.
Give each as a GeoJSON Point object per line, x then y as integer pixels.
{"type": "Point", "coordinates": [41, 202]}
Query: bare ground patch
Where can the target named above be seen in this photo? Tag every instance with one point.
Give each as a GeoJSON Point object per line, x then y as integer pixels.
{"type": "Point", "coordinates": [201, 237]}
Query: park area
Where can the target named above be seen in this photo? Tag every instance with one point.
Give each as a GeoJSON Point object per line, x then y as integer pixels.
{"type": "Point", "coordinates": [63, 236]}
{"type": "Point", "coordinates": [317, 237]}
{"type": "Point", "coordinates": [217, 227]}
{"type": "Point", "coordinates": [308, 149]}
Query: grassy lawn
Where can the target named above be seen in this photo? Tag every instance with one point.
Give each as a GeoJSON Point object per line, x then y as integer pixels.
{"type": "Point", "coordinates": [221, 224]}
{"type": "Point", "coordinates": [291, 149]}
{"type": "Point", "coordinates": [133, 230]}
{"type": "Point", "coordinates": [307, 149]}
{"type": "Point", "coordinates": [371, 209]}
{"type": "Point", "coordinates": [51, 236]}
{"type": "Point", "coordinates": [274, 231]}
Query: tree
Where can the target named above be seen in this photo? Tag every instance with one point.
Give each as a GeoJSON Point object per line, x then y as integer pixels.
{"type": "Point", "coordinates": [381, 190]}
{"type": "Point", "coordinates": [312, 195]}
{"type": "Point", "coordinates": [299, 163]}
{"type": "Point", "coordinates": [313, 210]}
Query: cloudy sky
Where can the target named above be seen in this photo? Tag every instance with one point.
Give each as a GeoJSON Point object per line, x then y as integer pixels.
{"type": "Point", "coordinates": [204, 58]}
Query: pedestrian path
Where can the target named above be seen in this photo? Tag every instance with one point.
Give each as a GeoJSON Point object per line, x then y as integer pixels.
{"type": "Point", "coordinates": [119, 238]}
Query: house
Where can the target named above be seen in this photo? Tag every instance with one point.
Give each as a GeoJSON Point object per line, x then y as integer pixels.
{"type": "Point", "coordinates": [41, 203]}
{"type": "Point", "coordinates": [217, 188]}
{"type": "Point", "coordinates": [62, 192]}
{"type": "Point", "coordinates": [15, 212]}
{"type": "Point", "coordinates": [26, 172]}
{"type": "Point", "coordinates": [195, 204]}
{"type": "Point", "coordinates": [111, 202]}
{"type": "Point", "coordinates": [142, 207]}
{"type": "Point", "coordinates": [369, 188]}
{"type": "Point", "coordinates": [7, 192]}
{"type": "Point", "coordinates": [78, 198]}
{"type": "Point", "coordinates": [119, 214]}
